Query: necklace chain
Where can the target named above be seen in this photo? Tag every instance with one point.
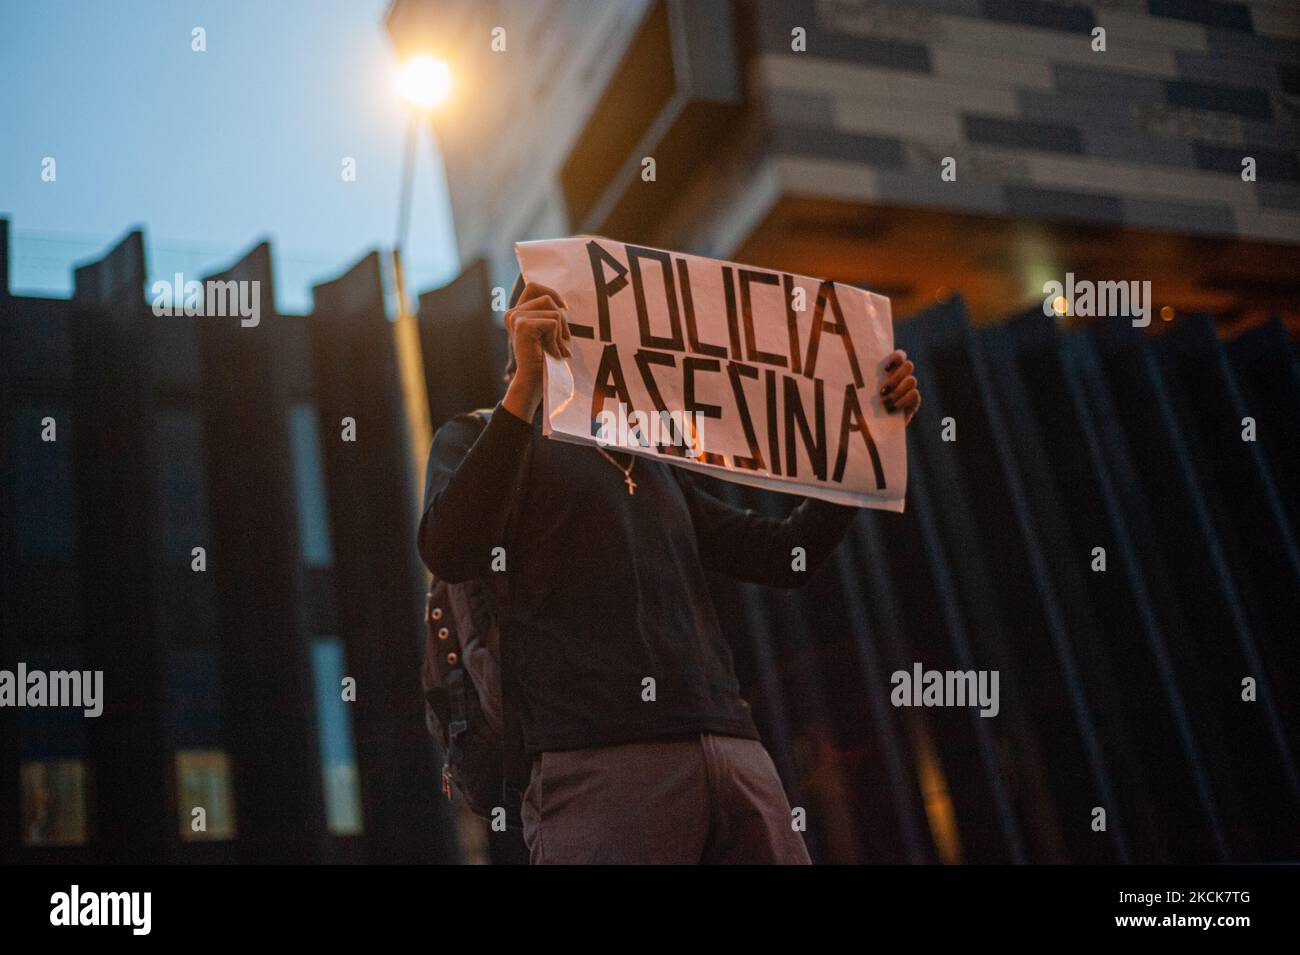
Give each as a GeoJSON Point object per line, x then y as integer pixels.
{"type": "Point", "coordinates": [627, 471]}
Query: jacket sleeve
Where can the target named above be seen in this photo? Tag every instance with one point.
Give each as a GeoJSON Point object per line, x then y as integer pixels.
{"type": "Point", "coordinates": [758, 549]}
{"type": "Point", "coordinates": [473, 474]}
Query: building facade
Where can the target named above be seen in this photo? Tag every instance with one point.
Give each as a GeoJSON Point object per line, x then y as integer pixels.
{"type": "Point", "coordinates": [913, 146]}
{"type": "Point", "coordinates": [217, 516]}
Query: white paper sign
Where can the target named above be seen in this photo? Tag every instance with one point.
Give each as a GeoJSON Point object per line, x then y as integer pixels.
{"type": "Point", "coordinates": [760, 377]}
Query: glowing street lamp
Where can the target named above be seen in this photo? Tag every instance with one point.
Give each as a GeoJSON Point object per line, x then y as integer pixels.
{"type": "Point", "coordinates": [424, 82]}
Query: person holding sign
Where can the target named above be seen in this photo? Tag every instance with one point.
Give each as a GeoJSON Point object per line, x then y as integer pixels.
{"type": "Point", "coordinates": [642, 749]}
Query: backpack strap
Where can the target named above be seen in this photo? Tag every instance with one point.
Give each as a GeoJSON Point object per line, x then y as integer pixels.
{"type": "Point", "coordinates": [457, 724]}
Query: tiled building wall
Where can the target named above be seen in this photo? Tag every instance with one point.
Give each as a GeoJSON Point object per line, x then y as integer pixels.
{"type": "Point", "coordinates": [1149, 133]}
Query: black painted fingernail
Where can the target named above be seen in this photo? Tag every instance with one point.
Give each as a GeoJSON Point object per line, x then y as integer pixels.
{"type": "Point", "coordinates": [889, 406]}
{"type": "Point", "coordinates": [892, 365]}
{"type": "Point", "coordinates": [884, 389]}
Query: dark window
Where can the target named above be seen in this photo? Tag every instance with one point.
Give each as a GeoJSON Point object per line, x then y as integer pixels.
{"type": "Point", "coordinates": [309, 487]}
{"type": "Point", "coordinates": [337, 753]}
{"type": "Point", "coordinates": [45, 501]}
{"type": "Point", "coordinates": [182, 483]}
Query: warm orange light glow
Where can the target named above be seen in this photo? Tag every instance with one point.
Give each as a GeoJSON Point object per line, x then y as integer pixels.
{"type": "Point", "coordinates": [424, 82]}
{"type": "Point", "coordinates": [939, 809]}
{"type": "Point", "coordinates": [1059, 305]}
{"type": "Point", "coordinates": [1167, 314]}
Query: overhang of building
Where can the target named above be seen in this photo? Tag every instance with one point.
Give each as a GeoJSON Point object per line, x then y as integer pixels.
{"type": "Point", "coordinates": [919, 256]}
{"type": "Point", "coordinates": [675, 93]}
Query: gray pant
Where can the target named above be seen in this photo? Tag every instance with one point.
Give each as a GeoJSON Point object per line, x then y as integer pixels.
{"type": "Point", "coordinates": [710, 799]}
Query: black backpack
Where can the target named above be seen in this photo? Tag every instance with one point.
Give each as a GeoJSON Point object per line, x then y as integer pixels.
{"type": "Point", "coordinates": [468, 706]}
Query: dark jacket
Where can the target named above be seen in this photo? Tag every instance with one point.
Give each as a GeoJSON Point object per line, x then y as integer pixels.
{"type": "Point", "coordinates": [609, 609]}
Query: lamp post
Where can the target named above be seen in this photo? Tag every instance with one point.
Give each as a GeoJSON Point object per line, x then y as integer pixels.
{"type": "Point", "coordinates": [424, 84]}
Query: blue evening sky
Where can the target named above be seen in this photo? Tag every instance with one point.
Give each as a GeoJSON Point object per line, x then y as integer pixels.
{"type": "Point", "coordinates": [209, 152]}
